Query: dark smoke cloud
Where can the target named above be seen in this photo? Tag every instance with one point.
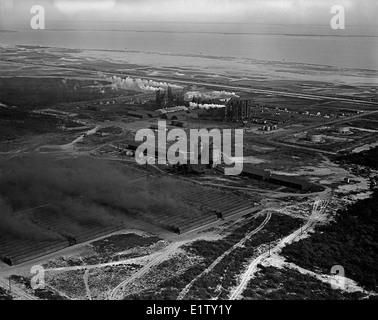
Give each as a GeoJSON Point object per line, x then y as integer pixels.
{"type": "Point", "coordinates": [84, 190]}
{"type": "Point", "coordinates": [20, 227]}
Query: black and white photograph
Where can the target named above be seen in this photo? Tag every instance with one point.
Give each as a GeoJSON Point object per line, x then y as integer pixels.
{"type": "Point", "coordinates": [196, 155]}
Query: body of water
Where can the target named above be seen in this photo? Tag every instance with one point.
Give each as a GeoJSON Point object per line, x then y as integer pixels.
{"type": "Point", "coordinates": [349, 48]}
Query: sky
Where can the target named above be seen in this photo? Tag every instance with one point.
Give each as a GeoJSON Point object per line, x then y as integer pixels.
{"type": "Point", "coordinates": [311, 12]}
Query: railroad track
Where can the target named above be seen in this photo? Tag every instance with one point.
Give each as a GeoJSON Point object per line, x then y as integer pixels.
{"type": "Point", "coordinates": [15, 291]}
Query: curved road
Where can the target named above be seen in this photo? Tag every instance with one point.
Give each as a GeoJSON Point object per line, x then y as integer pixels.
{"type": "Point", "coordinates": [313, 219]}
{"type": "Point", "coordinates": [226, 253]}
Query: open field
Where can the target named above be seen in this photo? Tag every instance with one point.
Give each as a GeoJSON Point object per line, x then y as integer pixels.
{"type": "Point", "coordinates": [4, 295]}
{"type": "Point", "coordinates": [285, 284]}
{"type": "Point", "coordinates": [218, 261]}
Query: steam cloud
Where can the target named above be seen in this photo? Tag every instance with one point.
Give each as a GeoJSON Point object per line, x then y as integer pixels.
{"type": "Point", "coordinates": [86, 191]}
{"type": "Point", "coordinates": [206, 106]}
{"type": "Point", "coordinates": [118, 83]}
{"type": "Point", "coordinates": [211, 95]}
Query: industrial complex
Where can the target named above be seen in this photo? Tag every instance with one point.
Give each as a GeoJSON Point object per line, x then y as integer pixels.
{"type": "Point", "coordinates": [76, 200]}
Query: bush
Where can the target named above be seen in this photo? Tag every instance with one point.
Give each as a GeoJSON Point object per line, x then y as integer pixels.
{"type": "Point", "coordinates": [351, 241]}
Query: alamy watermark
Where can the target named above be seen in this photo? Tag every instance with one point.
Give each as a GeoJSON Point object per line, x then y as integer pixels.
{"type": "Point", "coordinates": [338, 20]}
{"type": "Point", "coordinates": [338, 281]}
{"type": "Point", "coordinates": [39, 17]}
{"type": "Point", "coordinates": [38, 279]}
{"type": "Point", "coordinates": [201, 147]}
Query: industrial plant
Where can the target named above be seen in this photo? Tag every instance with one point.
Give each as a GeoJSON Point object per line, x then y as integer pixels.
{"type": "Point", "coordinates": [186, 161]}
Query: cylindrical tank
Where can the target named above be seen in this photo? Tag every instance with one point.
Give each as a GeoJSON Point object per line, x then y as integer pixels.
{"type": "Point", "coordinates": [315, 137]}
{"type": "Point", "coordinates": [344, 129]}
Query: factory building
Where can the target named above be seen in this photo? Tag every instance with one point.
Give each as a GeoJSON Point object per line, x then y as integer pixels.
{"type": "Point", "coordinates": [281, 180]}
{"type": "Point", "coordinates": [167, 99]}
{"type": "Point", "coordinates": [254, 173]}
{"type": "Point", "coordinates": [237, 109]}
{"type": "Point", "coordinates": [289, 181]}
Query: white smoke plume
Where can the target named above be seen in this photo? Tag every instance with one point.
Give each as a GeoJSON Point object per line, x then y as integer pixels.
{"type": "Point", "coordinates": [211, 95]}
{"type": "Point", "coordinates": [118, 83]}
{"type": "Point", "coordinates": [206, 106]}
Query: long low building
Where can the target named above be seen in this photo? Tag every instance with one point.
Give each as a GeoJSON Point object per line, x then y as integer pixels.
{"type": "Point", "coordinates": [143, 114]}
{"type": "Point", "coordinates": [289, 181]}
{"type": "Point", "coordinates": [282, 180]}
{"type": "Point", "coordinates": [255, 173]}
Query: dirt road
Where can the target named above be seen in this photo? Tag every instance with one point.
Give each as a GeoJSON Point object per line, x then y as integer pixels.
{"type": "Point", "coordinates": [226, 253]}
{"type": "Point", "coordinates": [315, 217]}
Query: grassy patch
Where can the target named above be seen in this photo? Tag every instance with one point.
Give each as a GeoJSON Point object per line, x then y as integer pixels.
{"type": "Point", "coordinates": [350, 241]}
{"type": "Point", "coordinates": [285, 284]}
{"type": "Point", "coordinates": [218, 282]}
{"type": "Point", "coordinates": [122, 242]}
{"type": "Point", "coordinates": [4, 294]}
{"type": "Point", "coordinates": [367, 158]}
{"type": "Point", "coordinates": [45, 294]}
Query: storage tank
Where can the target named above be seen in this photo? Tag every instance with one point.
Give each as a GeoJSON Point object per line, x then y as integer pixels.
{"type": "Point", "coordinates": [344, 130]}
{"type": "Point", "coordinates": [315, 138]}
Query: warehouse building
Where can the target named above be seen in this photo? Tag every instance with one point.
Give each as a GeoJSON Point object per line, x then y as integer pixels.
{"type": "Point", "coordinates": [254, 173]}
{"type": "Point", "coordinates": [282, 180]}
{"type": "Point", "coordinates": [289, 181]}
{"type": "Point", "coordinates": [143, 114]}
